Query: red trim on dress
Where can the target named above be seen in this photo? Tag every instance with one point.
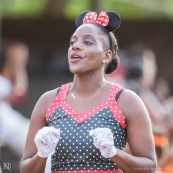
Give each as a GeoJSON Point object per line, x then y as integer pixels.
{"type": "Point", "coordinates": [60, 100]}
{"type": "Point", "coordinates": [91, 171]}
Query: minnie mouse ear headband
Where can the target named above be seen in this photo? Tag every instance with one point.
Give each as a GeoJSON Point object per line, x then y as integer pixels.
{"type": "Point", "coordinates": [109, 20]}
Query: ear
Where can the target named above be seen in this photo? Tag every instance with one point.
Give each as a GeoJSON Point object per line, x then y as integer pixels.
{"type": "Point", "coordinates": [107, 57]}
{"type": "Point", "coordinates": [115, 21]}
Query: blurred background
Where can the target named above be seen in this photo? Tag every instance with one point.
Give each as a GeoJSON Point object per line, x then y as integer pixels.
{"type": "Point", "coordinates": [34, 38]}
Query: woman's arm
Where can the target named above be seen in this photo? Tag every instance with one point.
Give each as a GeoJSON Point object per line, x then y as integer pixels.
{"type": "Point", "coordinates": [31, 162]}
{"type": "Point", "coordinates": [140, 137]}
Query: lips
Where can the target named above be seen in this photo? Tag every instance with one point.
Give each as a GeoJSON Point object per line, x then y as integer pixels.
{"type": "Point", "coordinates": [75, 58]}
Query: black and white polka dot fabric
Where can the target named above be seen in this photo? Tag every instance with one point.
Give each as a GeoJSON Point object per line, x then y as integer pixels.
{"type": "Point", "coordinates": [75, 152]}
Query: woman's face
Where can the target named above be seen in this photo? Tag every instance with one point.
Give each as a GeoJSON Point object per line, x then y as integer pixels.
{"type": "Point", "coordinates": [86, 51]}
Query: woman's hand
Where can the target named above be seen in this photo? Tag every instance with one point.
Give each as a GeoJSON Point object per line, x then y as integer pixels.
{"type": "Point", "coordinates": [46, 140]}
{"type": "Point", "coordinates": [103, 140]}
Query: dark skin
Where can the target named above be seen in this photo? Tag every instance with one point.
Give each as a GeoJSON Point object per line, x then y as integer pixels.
{"type": "Point", "coordinates": [88, 43]}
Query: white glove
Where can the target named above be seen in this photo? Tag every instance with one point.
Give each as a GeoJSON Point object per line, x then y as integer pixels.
{"type": "Point", "coordinates": [46, 140]}
{"type": "Point", "coordinates": [103, 140]}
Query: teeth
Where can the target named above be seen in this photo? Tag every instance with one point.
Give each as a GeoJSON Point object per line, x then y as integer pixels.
{"type": "Point", "coordinates": [75, 56]}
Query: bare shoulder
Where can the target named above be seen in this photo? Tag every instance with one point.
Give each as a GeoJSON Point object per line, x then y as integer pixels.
{"type": "Point", "coordinates": [47, 97]}
{"type": "Point", "coordinates": [44, 102]}
{"type": "Point", "coordinates": [129, 95]}
{"type": "Point", "coordinates": [131, 104]}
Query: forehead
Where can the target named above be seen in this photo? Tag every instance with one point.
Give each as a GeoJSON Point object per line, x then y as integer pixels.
{"type": "Point", "coordinates": [88, 29]}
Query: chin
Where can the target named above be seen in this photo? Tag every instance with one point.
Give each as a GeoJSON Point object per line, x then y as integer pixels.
{"type": "Point", "coordinates": [76, 71]}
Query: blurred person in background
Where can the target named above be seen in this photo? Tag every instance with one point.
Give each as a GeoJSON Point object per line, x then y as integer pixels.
{"type": "Point", "coordinates": [140, 77]}
{"type": "Point", "coordinates": [14, 85]}
{"type": "Point", "coordinates": [13, 91]}
{"type": "Point", "coordinates": [162, 90]}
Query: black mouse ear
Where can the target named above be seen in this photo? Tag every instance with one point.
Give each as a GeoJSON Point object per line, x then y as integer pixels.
{"type": "Point", "coordinates": [79, 18]}
{"type": "Point", "coordinates": [114, 21]}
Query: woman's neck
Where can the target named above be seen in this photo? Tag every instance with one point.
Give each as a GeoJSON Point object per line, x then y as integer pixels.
{"type": "Point", "coordinates": [86, 84]}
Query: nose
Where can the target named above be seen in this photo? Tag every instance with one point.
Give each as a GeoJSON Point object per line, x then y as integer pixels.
{"type": "Point", "coordinates": [76, 46]}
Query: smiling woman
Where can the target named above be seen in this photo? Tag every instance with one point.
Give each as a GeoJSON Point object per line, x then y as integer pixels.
{"type": "Point", "coordinates": [84, 125]}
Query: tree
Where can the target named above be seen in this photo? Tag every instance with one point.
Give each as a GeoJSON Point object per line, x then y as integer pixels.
{"type": "Point", "coordinates": [129, 9]}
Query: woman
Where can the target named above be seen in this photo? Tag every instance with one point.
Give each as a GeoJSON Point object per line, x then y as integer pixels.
{"type": "Point", "coordinates": [88, 121]}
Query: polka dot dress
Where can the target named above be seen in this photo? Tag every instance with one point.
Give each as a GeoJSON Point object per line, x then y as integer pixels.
{"type": "Point", "coordinates": [75, 152]}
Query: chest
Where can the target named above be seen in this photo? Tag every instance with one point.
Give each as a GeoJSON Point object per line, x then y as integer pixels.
{"type": "Point", "coordinates": [75, 129]}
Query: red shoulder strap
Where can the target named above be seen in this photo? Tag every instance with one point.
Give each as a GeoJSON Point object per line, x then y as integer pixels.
{"type": "Point", "coordinates": [60, 97]}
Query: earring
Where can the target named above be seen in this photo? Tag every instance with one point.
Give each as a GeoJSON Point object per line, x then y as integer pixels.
{"type": "Point", "coordinates": [104, 61]}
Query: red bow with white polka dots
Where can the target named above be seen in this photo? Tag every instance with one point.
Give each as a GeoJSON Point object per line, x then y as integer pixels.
{"type": "Point", "coordinates": [103, 18]}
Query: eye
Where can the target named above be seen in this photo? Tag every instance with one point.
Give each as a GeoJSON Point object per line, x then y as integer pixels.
{"type": "Point", "coordinates": [72, 42]}
{"type": "Point", "coordinates": [88, 43]}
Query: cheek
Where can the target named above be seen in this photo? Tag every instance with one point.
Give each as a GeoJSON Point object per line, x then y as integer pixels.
{"type": "Point", "coordinates": [93, 62]}
{"type": "Point", "coordinates": [95, 55]}
{"type": "Point", "coordinates": [98, 57]}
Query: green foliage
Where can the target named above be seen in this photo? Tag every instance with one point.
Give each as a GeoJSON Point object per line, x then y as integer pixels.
{"type": "Point", "coordinates": [128, 9]}
{"type": "Point", "coordinates": [74, 7]}
{"type": "Point", "coordinates": [135, 9]}
{"type": "Point", "coordinates": [22, 8]}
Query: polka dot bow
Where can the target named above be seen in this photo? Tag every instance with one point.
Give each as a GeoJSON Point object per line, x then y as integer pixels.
{"type": "Point", "coordinates": [103, 18]}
